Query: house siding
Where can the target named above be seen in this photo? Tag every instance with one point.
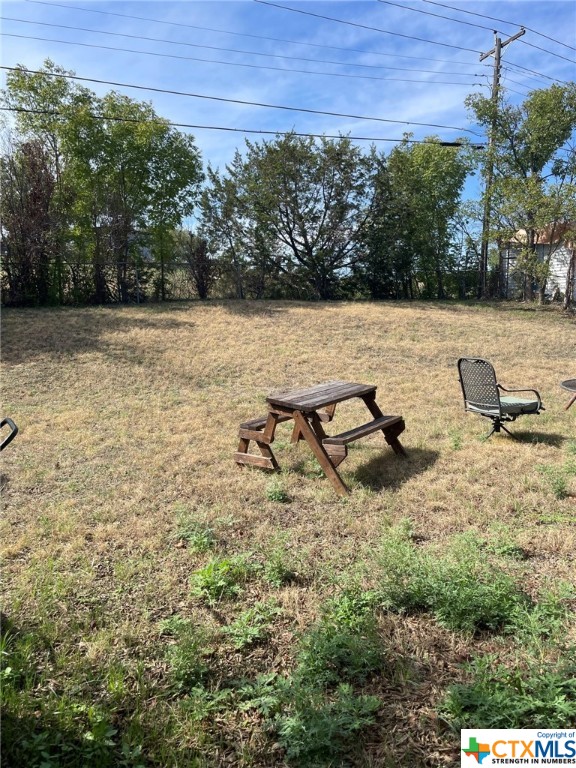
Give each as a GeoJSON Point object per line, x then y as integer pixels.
{"type": "Point", "coordinates": [559, 263]}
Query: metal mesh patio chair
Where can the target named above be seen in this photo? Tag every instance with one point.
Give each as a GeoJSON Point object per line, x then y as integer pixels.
{"type": "Point", "coordinates": [482, 395]}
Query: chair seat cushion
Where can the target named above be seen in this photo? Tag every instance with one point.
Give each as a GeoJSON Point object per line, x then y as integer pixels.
{"type": "Point", "coordinates": [482, 408]}
{"type": "Point", "coordinates": [514, 405]}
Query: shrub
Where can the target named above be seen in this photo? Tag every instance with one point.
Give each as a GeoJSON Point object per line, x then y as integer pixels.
{"type": "Point", "coordinates": [316, 714]}
{"type": "Point", "coordinates": [276, 570]}
{"type": "Point", "coordinates": [202, 704]}
{"type": "Point", "coordinates": [352, 608]}
{"type": "Point", "coordinates": [265, 694]}
{"type": "Point", "coordinates": [546, 620]}
{"type": "Point", "coordinates": [559, 477]}
{"type": "Point", "coordinates": [174, 625]}
{"type": "Point", "coordinates": [331, 654]}
{"type": "Point", "coordinates": [469, 601]}
{"type": "Point", "coordinates": [276, 492]}
{"type": "Point", "coordinates": [198, 536]}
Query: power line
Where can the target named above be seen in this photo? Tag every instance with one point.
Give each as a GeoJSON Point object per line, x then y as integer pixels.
{"type": "Point", "coordinates": [547, 50]}
{"type": "Point", "coordinates": [517, 82]}
{"type": "Point", "coordinates": [469, 23]}
{"type": "Point", "coordinates": [518, 93]}
{"type": "Point", "coordinates": [245, 34]}
{"type": "Point", "coordinates": [55, 113]}
{"type": "Point", "coordinates": [437, 15]}
{"type": "Point", "coordinates": [232, 50]}
{"type": "Point", "coordinates": [502, 21]}
{"type": "Point", "coordinates": [507, 88]}
{"type": "Point", "coordinates": [300, 42]}
{"type": "Point", "coordinates": [236, 101]}
{"type": "Point", "coordinates": [365, 26]}
{"type": "Point", "coordinates": [533, 72]}
{"type": "Point", "coordinates": [231, 63]}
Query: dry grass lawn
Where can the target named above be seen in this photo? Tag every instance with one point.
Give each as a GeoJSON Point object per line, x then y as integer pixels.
{"type": "Point", "coordinates": [128, 421]}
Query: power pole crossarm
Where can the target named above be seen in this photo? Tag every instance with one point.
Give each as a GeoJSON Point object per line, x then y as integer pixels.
{"type": "Point", "coordinates": [503, 44]}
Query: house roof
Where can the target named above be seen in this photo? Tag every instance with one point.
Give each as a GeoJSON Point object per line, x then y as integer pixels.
{"type": "Point", "coordinates": [552, 235]}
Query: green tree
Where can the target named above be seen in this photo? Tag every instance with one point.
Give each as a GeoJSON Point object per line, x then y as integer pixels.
{"type": "Point", "coordinates": [533, 190]}
{"type": "Point", "coordinates": [121, 170]}
{"type": "Point", "coordinates": [412, 229]}
{"type": "Point", "coordinates": [291, 212]}
{"type": "Point", "coordinates": [315, 198]}
{"type": "Point", "coordinates": [41, 106]}
{"type": "Point", "coordinates": [201, 263]}
{"type": "Point", "coordinates": [229, 225]}
{"type": "Point", "coordinates": [26, 217]}
{"type": "Point", "coordinates": [386, 269]}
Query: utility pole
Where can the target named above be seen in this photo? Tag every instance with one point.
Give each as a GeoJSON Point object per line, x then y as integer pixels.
{"type": "Point", "coordinates": [489, 172]}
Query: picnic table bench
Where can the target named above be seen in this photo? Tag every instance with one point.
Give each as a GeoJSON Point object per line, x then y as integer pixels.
{"type": "Point", "coordinates": [310, 409]}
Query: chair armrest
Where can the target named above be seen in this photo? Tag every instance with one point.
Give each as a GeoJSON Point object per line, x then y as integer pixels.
{"type": "Point", "coordinates": [540, 406]}
{"type": "Point", "coordinates": [11, 435]}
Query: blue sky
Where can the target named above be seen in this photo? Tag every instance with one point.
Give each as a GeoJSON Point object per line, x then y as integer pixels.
{"type": "Point", "coordinates": [370, 67]}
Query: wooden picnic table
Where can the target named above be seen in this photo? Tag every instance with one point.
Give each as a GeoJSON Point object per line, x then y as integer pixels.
{"type": "Point", "coordinates": [570, 385]}
{"type": "Point", "coordinates": [310, 408]}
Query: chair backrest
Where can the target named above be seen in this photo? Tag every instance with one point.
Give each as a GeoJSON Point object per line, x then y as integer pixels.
{"type": "Point", "coordinates": [478, 381]}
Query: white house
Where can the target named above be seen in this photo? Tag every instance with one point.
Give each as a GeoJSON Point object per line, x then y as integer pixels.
{"type": "Point", "coordinates": [555, 244]}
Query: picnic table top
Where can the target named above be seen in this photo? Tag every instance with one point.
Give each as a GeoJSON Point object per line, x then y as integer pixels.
{"type": "Point", "coordinates": [569, 384]}
{"type": "Point", "coordinates": [319, 396]}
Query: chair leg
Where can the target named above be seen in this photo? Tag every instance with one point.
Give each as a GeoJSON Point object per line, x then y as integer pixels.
{"type": "Point", "coordinates": [508, 431]}
{"type": "Point", "coordinates": [496, 427]}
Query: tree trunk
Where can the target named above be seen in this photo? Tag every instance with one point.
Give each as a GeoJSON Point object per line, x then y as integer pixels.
{"type": "Point", "coordinates": [542, 293]}
{"type": "Point", "coordinates": [440, 292]}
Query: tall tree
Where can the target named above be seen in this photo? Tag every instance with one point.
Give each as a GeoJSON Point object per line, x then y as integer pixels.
{"type": "Point", "coordinates": [315, 197]}
{"type": "Point", "coordinates": [413, 230]}
{"type": "Point", "coordinates": [41, 105]}
{"type": "Point", "coordinates": [26, 218]}
{"type": "Point", "coordinates": [292, 207]}
{"type": "Point", "coordinates": [228, 224]}
{"type": "Point", "coordinates": [120, 169]}
{"type": "Point", "coordinates": [386, 269]}
{"type": "Point", "coordinates": [202, 265]}
{"type": "Point", "coordinates": [534, 172]}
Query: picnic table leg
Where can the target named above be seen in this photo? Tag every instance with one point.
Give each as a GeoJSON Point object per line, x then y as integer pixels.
{"type": "Point", "coordinates": [268, 433]}
{"type": "Point", "coordinates": [296, 434]}
{"type": "Point", "coordinates": [572, 400]}
{"type": "Point", "coordinates": [243, 457]}
{"type": "Point", "coordinates": [266, 451]}
{"type": "Point", "coordinates": [316, 423]}
{"type": "Point", "coordinates": [318, 450]}
{"type": "Point", "coordinates": [390, 433]}
{"type": "Point", "coordinates": [326, 415]}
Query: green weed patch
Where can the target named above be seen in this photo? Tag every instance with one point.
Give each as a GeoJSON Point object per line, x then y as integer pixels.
{"type": "Point", "coordinates": [463, 590]}
{"type": "Point", "coordinates": [221, 578]}
{"type": "Point", "coordinates": [526, 696]}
